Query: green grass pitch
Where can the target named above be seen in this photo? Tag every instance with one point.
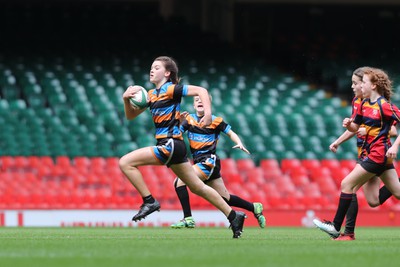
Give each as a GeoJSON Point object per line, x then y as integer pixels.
{"type": "Point", "coordinates": [199, 247]}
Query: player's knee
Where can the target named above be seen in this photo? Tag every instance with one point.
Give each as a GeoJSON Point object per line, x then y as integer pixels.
{"type": "Point", "coordinates": [346, 186]}
{"type": "Point", "coordinates": [123, 163]}
{"type": "Point", "coordinates": [197, 190]}
{"type": "Point", "coordinates": [373, 203]}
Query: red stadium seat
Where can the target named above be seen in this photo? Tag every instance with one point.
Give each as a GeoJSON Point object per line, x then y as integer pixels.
{"type": "Point", "coordinates": [228, 164]}
{"type": "Point", "coordinates": [267, 164]}
{"type": "Point", "coordinates": [47, 161]}
{"type": "Point", "coordinates": [272, 174]}
{"type": "Point", "coordinates": [287, 165]}
{"type": "Point", "coordinates": [21, 162]}
{"type": "Point", "coordinates": [232, 177]}
{"type": "Point", "coordinates": [34, 161]}
{"type": "Point", "coordinates": [328, 187]}
{"type": "Point", "coordinates": [339, 174]}
{"type": "Point", "coordinates": [300, 180]}
{"type": "Point", "coordinates": [63, 161]}
{"type": "Point", "coordinates": [348, 163]}
{"type": "Point", "coordinates": [98, 164]}
{"type": "Point", "coordinates": [43, 171]}
{"type": "Point", "coordinates": [312, 190]}
{"type": "Point", "coordinates": [245, 165]}
{"type": "Point", "coordinates": [285, 185]}
{"type": "Point", "coordinates": [277, 202]}
{"type": "Point", "coordinates": [112, 162]}
{"type": "Point", "coordinates": [311, 202]}
{"type": "Point", "coordinates": [270, 189]}
{"type": "Point", "coordinates": [327, 203]}
{"type": "Point", "coordinates": [82, 164]}
{"type": "Point", "coordinates": [331, 163]}
{"type": "Point", "coordinates": [298, 171]}
{"type": "Point", "coordinates": [320, 173]}
{"type": "Point", "coordinates": [7, 162]}
{"type": "Point", "coordinates": [310, 163]}
{"type": "Point", "coordinates": [255, 176]}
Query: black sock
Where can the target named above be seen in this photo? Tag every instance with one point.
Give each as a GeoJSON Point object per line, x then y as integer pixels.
{"type": "Point", "coordinates": [351, 215]}
{"type": "Point", "coordinates": [344, 203]}
{"type": "Point", "coordinates": [236, 201]}
{"type": "Point", "coordinates": [232, 215]}
{"type": "Point", "coordinates": [148, 199]}
{"type": "Point", "coordinates": [384, 194]}
{"type": "Point", "coordinates": [183, 196]}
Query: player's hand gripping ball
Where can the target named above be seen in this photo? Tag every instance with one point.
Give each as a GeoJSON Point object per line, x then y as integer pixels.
{"type": "Point", "coordinates": [140, 100]}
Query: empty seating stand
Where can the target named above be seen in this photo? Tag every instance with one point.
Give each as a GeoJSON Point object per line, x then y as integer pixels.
{"type": "Point", "coordinates": [44, 182]}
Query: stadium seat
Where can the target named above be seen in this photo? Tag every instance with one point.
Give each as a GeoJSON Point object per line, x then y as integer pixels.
{"type": "Point", "coordinates": [63, 161]}
{"type": "Point", "coordinates": [245, 165]}
{"type": "Point", "coordinates": [232, 177]}
{"type": "Point", "coordinates": [312, 190]}
{"type": "Point", "coordinates": [290, 164]}
{"type": "Point", "coordinates": [293, 166]}
{"type": "Point", "coordinates": [330, 163]}
{"type": "Point", "coordinates": [285, 185]}
{"type": "Point", "coordinates": [339, 174]}
{"type": "Point", "coordinates": [33, 161]}
{"type": "Point", "coordinates": [228, 164]}
{"type": "Point", "coordinates": [82, 164]}
{"type": "Point", "coordinates": [112, 163]}
{"type": "Point", "coordinates": [98, 164]}
{"type": "Point", "coordinates": [21, 162]}
{"type": "Point", "coordinates": [272, 174]}
{"type": "Point", "coordinates": [300, 180]}
{"type": "Point", "coordinates": [310, 163]}
{"type": "Point", "coordinates": [255, 176]}
{"type": "Point", "coordinates": [7, 162]}
{"type": "Point", "coordinates": [267, 164]}
{"type": "Point", "coordinates": [348, 163]}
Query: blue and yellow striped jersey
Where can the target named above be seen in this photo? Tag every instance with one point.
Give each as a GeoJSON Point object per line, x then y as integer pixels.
{"type": "Point", "coordinates": [165, 105]}
{"type": "Point", "coordinates": [204, 141]}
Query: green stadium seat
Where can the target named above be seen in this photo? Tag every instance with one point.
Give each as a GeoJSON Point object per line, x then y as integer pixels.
{"type": "Point", "coordinates": [36, 100]}
{"type": "Point", "coordinates": [10, 91]}
{"type": "Point", "coordinates": [285, 155]}
{"type": "Point", "coordinates": [267, 154]}
{"type": "Point", "coordinates": [124, 148]}
{"type": "Point", "coordinates": [254, 144]}
{"type": "Point", "coordinates": [238, 154]}
{"type": "Point", "coordinates": [145, 140]}
{"type": "Point", "coordinates": [17, 105]}
{"type": "Point", "coordinates": [57, 100]}
{"type": "Point", "coordinates": [309, 155]}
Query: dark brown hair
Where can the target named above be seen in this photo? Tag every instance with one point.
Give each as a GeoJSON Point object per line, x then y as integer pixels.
{"type": "Point", "coordinates": [171, 66]}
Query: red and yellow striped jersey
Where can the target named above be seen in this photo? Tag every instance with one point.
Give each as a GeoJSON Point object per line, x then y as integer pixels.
{"type": "Point", "coordinates": [377, 117]}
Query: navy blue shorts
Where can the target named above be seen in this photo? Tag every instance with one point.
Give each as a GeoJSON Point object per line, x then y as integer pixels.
{"type": "Point", "coordinates": [209, 166]}
{"type": "Point", "coordinates": [373, 167]}
{"type": "Point", "coordinates": [170, 151]}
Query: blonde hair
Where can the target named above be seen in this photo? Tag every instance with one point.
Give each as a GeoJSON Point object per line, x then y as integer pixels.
{"type": "Point", "coordinates": [209, 96]}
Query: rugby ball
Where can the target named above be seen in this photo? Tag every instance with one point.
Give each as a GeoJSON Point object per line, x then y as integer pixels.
{"type": "Point", "coordinates": [140, 100]}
